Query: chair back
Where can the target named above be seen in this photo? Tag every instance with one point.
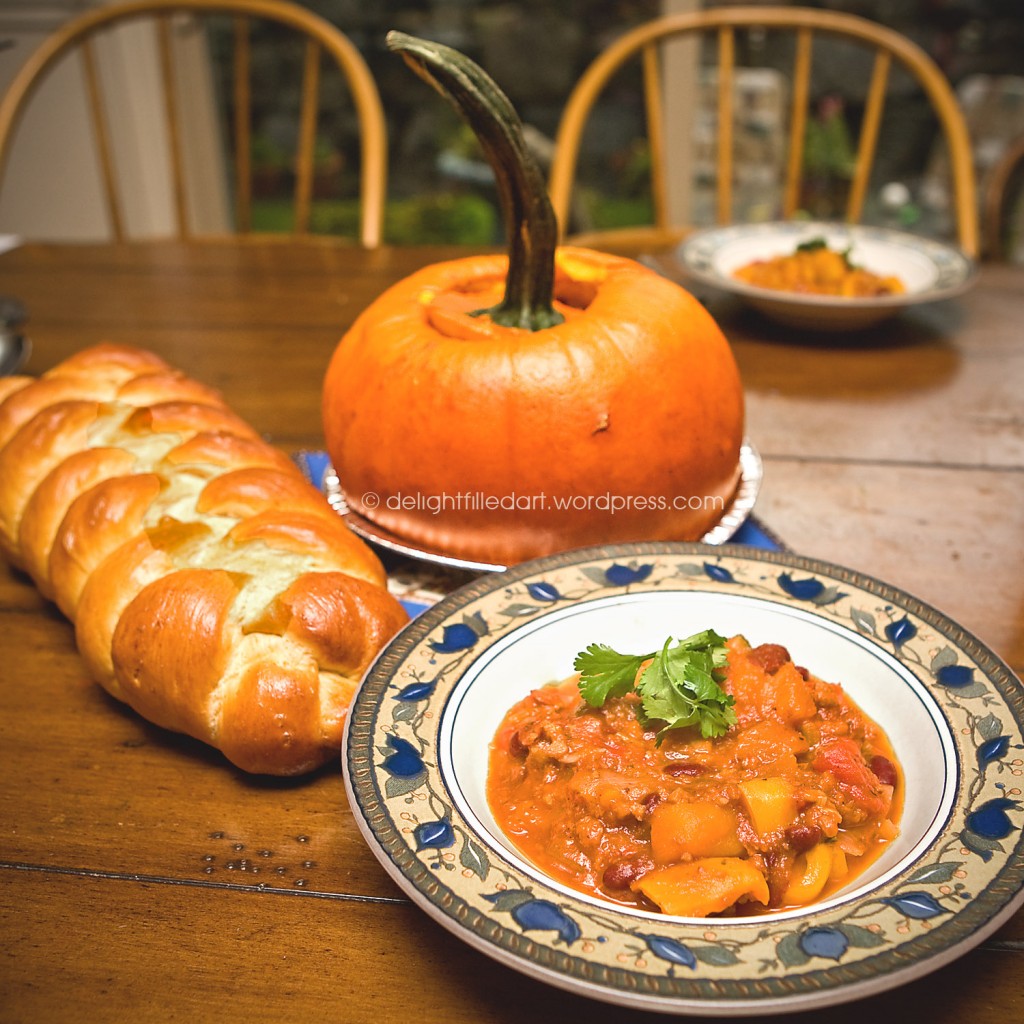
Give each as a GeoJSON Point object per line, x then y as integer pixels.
{"type": "Point", "coordinates": [320, 38]}
{"type": "Point", "coordinates": [1002, 202]}
{"type": "Point", "coordinates": [724, 25]}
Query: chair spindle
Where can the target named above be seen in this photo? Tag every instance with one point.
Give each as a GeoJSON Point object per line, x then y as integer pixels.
{"type": "Point", "coordinates": [102, 134]}
{"type": "Point", "coordinates": [868, 135]}
{"type": "Point", "coordinates": [171, 112]}
{"type": "Point", "coordinates": [656, 133]}
{"type": "Point", "coordinates": [726, 74]}
{"type": "Point", "coordinates": [307, 137]}
{"type": "Point", "coordinates": [798, 122]}
{"type": "Point", "coordinates": [242, 92]}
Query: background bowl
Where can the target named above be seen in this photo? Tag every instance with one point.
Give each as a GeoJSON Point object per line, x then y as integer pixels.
{"type": "Point", "coordinates": [929, 269]}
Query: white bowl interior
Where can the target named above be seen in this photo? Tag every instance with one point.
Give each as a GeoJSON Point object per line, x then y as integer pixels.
{"type": "Point", "coordinates": [917, 272]}
{"type": "Point", "coordinates": [543, 651]}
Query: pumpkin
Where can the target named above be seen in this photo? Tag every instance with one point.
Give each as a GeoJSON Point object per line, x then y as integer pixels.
{"type": "Point", "coordinates": [501, 407]}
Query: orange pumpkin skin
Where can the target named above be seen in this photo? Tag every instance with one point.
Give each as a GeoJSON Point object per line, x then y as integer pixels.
{"type": "Point", "coordinates": [432, 415]}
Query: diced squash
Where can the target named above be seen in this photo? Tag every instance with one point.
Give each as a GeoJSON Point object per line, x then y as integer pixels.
{"type": "Point", "coordinates": [745, 682]}
{"type": "Point", "coordinates": [701, 887]}
{"type": "Point", "coordinates": [793, 699]}
{"type": "Point", "coordinates": [696, 829]}
{"type": "Point", "coordinates": [769, 747]}
{"type": "Point", "coordinates": [783, 695]}
{"type": "Point", "coordinates": [770, 804]}
{"type": "Point", "coordinates": [810, 875]}
{"type": "Point", "coordinates": [615, 801]}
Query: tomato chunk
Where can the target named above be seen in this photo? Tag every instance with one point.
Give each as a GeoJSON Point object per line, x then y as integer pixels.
{"type": "Point", "coordinates": [864, 793]}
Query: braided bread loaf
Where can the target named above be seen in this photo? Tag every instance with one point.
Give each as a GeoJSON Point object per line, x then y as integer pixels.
{"type": "Point", "coordinates": [211, 587]}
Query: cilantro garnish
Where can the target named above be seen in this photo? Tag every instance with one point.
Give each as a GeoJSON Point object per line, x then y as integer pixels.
{"type": "Point", "coordinates": [812, 244]}
{"type": "Point", "coordinates": [678, 687]}
{"type": "Point", "coordinates": [819, 242]}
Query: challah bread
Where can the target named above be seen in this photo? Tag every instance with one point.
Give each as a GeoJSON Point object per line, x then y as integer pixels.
{"type": "Point", "coordinates": [212, 588]}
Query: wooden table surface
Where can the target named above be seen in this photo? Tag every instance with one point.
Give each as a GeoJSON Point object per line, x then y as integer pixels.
{"type": "Point", "coordinates": [143, 879]}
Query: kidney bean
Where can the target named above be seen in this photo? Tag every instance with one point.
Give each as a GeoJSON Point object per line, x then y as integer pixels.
{"type": "Point", "coordinates": [679, 769]}
{"type": "Point", "coordinates": [770, 657]}
{"type": "Point", "coordinates": [621, 874]}
{"type": "Point", "coordinates": [516, 747]}
{"type": "Point", "coordinates": [803, 837]}
{"type": "Point", "coordinates": [650, 802]}
{"type": "Point", "coordinates": [884, 770]}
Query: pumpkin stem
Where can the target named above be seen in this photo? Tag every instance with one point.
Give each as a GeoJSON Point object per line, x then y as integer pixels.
{"type": "Point", "coordinates": [530, 223]}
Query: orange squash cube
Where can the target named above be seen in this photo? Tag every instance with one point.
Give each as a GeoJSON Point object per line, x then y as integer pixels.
{"type": "Point", "coordinates": [696, 829]}
{"type": "Point", "coordinates": [770, 804]}
{"type": "Point", "coordinates": [811, 872]}
{"type": "Point", "coordinates": [701, 887]}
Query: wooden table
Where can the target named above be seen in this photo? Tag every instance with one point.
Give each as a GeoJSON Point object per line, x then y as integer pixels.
{"type": "Point", "coordinates": [142, 879]}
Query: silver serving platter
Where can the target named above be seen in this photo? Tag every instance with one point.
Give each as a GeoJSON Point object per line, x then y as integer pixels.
{"type": "Point", "coordinates": [751, 472]}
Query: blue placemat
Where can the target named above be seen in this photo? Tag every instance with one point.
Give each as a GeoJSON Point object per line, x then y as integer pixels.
{"type": "Point", "coordinates": [417, 588]}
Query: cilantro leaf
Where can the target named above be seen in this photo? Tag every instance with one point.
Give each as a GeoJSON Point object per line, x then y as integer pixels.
{"type": "Point", "coordinates": [817, 243]}
{"type": "Point", "coordinates": [605, 673]}
{"type": "Point", "coordinates": [813, 244]}
{"type": "Point", "coordinates": [678, 687]}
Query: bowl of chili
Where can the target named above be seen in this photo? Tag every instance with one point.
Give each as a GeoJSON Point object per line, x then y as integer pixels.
{"type": "Point", "coordinates": [787, 270]}
{"type": "Point", "coordinates": [853, 777]}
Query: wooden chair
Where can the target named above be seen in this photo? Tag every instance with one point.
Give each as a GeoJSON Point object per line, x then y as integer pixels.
{"type": "Point", "coordinates": [320, 38]}
{"type": "Point", "coordinates": [725, 23]}
{"type": "Point", "coordinates": [1004, 187]}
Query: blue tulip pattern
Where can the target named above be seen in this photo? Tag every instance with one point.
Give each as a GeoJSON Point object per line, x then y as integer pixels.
{"type": "Point", "coordinates": [809, 589]}
{"type": "Point", "coordinates": [434, 835]}
{"type": "Point", "coordinates": [404, 761]}
{"type": "Point", "coordinates": [988, 825]}
{"type": "Point", "coordinates": [416, 692]}
{"type": "Point", "coordinates": [956, 677]}
{"type": "Point", "coordinates": [900, 631]}
{"type": "Point", "coordinates": [829, 943]}
{"type": "Point", "coordinates": [457, 636]}
{"type": "Point", "coordinates": [991, 820]}
{"type": "Point", "coordinates": [404, 766]}
{"type": "Point", "coordinates": [543, 592]}
{"type": "Point", "coordinates": [994, 749]}
{"type": "Point", "coordinates": [718, 573]}
{"type": "Point", "coordinates": [826, 942]}
{"type": "Point", "coordinates": [672, 950]}
{"type": "Point", "coordinates": [917, 905]}
{"type": "Point", "coordinates": [533, 914]}
{"type": "Point", "coordinates": [623, 575]}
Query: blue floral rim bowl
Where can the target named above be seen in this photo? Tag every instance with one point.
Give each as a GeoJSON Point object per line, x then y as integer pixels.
{"type": "Point", "coordinates": [929, 269]}
{"type": "Point", "coordinates": [416, 750]}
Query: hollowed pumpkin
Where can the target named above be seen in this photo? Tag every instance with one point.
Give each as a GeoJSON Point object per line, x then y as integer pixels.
{"type": "Point", "coordinates": [498, 408]}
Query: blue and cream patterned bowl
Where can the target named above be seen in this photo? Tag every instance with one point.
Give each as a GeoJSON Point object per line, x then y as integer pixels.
{"type": "Point", "coordinates": [415, 762]}
{"type": "Point", "coordinates": [929, 269]}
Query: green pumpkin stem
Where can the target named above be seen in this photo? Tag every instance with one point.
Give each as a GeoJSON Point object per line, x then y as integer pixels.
{"type": "Point", "coordinates": [530, 223]}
